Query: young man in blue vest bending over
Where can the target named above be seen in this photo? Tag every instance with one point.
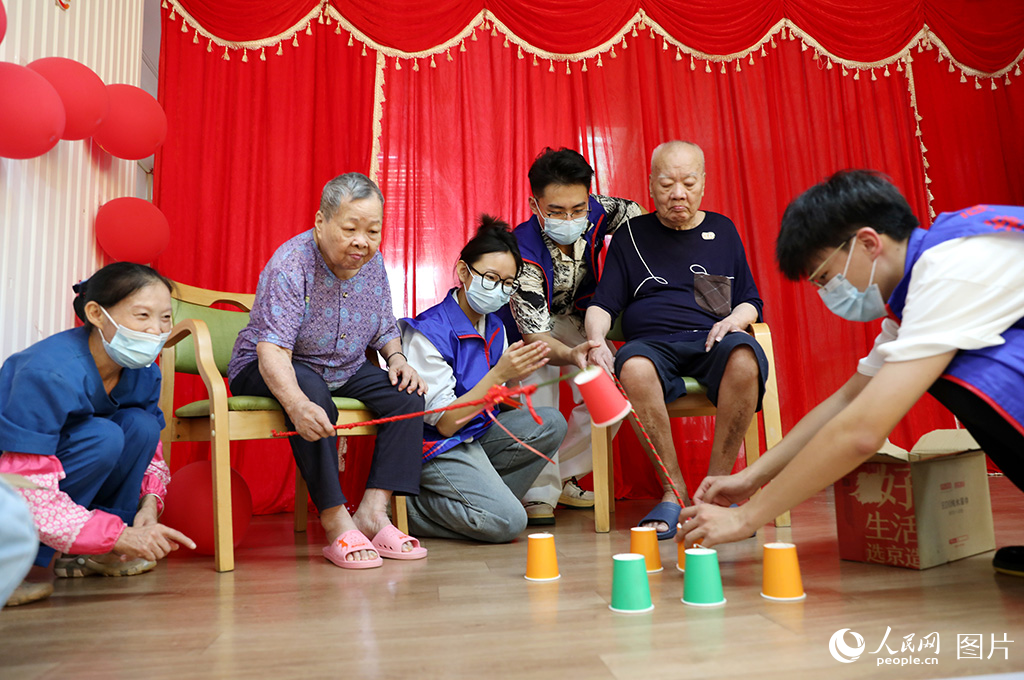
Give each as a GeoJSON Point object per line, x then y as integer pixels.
{"type": "Point", "coordinates": [561, 244]}
{"type": "Point", "coordinates": [953, 301]}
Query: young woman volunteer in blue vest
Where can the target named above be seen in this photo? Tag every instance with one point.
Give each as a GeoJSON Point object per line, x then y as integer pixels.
{"type": "Point", "coordinates": [474, 473]}
{"type": "Point", "coordinates": [952, 298]}
{"type": "Point", "coordinates": [79, 418]}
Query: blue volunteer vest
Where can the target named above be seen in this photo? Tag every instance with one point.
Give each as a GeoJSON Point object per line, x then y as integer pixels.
{"type": "Point", "coordinates": [470, 356]}
{"type": "Point", "coordinates": [534, 251]}
{"type": "Point", "coordinates": [995, 374]}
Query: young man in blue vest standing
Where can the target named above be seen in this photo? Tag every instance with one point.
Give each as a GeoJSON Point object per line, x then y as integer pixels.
{"type": "Point", "coordinates": [561, 245]}
{"type": "Point", "coordinates": [953, 301]}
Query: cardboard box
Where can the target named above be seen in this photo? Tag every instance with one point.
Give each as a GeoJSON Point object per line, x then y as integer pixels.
{"type": "Point", "coordinates": [918, 508]}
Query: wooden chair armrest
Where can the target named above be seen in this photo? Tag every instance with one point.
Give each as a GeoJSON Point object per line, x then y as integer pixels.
{"type": "Point", "coordinates": [760, 331]}
{"type": "Point", "coordinates": [208, 370]}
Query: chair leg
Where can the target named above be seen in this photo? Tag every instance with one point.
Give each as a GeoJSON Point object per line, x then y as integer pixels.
{"type": "Point", "coordinates": [752, 442]}
{"type": "Point", "coordinates": [301, 502]}
{"type": "Point", "coordinates": [224, 545]}
{"type": "Point", "coordinates": [399, 516]}
{"type": "Point", "coordinates": [601, 445]}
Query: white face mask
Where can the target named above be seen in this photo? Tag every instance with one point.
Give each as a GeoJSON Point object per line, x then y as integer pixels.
{"type": "Point", "coordinates": [132, 349]}
{"type": "Point", "coordinates": [482, 300]}
{"type": "Point", "coordinates": [844, 299]}
{"type": "Point", "coordinates": [565, 232]}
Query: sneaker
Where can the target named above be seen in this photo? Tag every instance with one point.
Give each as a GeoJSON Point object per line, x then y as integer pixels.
{"type": "Point", "coordinates": [539, 513]}
{"type": "Point", "coordinates": [1009, 560]}
{"type": "Point", "coordinates": [575, 497]}
{"type": "Point", "coordinates": [77, 566]}
{"type": "Point", "coordinates": [27, 591]}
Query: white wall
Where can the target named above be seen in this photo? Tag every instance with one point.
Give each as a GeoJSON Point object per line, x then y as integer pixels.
{"type": "Point", "coordinates": [48, 204]}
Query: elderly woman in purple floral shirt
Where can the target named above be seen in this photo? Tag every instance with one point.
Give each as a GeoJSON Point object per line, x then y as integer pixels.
{"type": "Point", "coordinates": [322, 299]}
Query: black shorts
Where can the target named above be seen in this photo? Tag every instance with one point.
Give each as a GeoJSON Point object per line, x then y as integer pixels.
{"type": "Point", "coordinates": [674, 359]}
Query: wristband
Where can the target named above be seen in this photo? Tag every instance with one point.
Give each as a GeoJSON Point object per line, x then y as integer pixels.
{"type": "Point", "coordinates": [387, 359]}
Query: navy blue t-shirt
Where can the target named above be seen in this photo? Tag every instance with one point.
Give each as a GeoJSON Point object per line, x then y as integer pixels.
{"type": "Point", "coordinates": [649, 275]}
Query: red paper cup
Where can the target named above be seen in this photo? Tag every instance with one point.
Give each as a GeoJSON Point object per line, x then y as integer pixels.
{"type": "Point", "coordinates": [606, 404]}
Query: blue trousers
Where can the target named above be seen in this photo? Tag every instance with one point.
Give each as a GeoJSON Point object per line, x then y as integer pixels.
{"type": "Point", "coordinates": [397, 454]}
{"type": "Point", "coordinates": [105, 460]}
{"type": "Point", "coordinates": [18, 540]}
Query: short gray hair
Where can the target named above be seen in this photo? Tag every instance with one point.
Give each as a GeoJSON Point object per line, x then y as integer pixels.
{"type": "Point", "coordinates": [675, 145]}
{"type": "Point", "coordinates": [352, 186]}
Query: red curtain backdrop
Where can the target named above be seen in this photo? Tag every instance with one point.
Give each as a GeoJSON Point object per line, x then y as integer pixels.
{"type": "Point", "coordinates": [251, 142]}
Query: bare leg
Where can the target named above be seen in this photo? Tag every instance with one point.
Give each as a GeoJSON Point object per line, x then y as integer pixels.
{"type": "Point", "coordinates": [737, 400]}
{"type": "Point", "coordinates": [640, 379]}
{"type": "Point", "coordinates": [372, 515]}
{"type": "Point", "coordinates": [337, 521]}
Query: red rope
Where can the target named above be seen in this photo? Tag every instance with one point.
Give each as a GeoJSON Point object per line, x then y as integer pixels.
{"type": "Point", "coordinates": [497, 422]}
{"type": "Point", "coordinates": [497, 394]}
{"type": "Point", "coordinates": [650, 443]}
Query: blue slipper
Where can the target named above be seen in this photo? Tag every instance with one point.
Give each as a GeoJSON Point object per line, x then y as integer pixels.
{"type": "Point", "coordinates": [667, 512]}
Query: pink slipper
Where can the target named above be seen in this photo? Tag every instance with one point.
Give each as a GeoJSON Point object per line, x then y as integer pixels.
{"type": "Point", "coordinates": [348, 543]}
{"type": "Point", "coordinates": [388, 543]}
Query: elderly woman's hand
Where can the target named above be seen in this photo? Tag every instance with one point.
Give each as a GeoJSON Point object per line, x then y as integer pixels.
{"type": "Point", "coordinates": [311, 421]}
{"type": "Point", "coordinates": [404, 375]}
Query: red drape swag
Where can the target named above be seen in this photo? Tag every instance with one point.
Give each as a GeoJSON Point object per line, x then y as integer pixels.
{"type": "Point", "coordinates": [250, 144]}
{"type": "Point", "coordinates": [983, 34]}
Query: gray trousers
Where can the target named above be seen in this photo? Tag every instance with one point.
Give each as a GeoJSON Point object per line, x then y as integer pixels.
{"type": "Point", "coordinates": [474, 489]}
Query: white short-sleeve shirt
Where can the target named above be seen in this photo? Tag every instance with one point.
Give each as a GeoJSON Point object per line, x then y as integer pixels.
{"type": "Point", "coordinates": [963, 294]}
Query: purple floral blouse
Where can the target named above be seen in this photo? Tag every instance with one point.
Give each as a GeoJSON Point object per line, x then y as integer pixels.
{"type": "Point", "coordinates": [326, 322]}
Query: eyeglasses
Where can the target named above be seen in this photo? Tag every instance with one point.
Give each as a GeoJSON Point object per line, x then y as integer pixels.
{"type": "Point", "coordinates": [565, 214]}
{"type": "Point", "coordinates": [490, 281]}
{"type": "Point", "coordinates": [817, 271]}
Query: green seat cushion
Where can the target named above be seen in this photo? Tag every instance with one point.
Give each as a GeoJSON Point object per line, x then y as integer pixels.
{"type": "Point", "coordinates": [694, 387]}
{"type": "Point", "coordinates": [199, 409]}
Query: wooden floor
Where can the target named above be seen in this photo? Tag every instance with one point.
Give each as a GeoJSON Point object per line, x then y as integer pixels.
{"type": "Point", "coordinates": [467, 612]}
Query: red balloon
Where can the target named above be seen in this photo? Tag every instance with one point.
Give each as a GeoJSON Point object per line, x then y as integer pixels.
{"type": "Point", "coordinates": [84, 95]}
{"type": "Point", "coordinates": [31, 113]}
{"type": "Point", "coordinates": [3, 21]}
{"type": "Point", "coordinates": [135, 125]}
{"type": "Point", "coordinates": [189, 505]}
{"type": "Point", "coordinates": [132, 230]}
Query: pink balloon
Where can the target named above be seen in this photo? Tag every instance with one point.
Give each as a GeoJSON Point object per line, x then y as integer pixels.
{"type": "Point", "coordinates": [135, 125]}
{"type": "Point", "coordinates": [132, 230]}
{"type": "Point", "coordinates": [83, 93]}
{"type": "Point", "coordinates": [31, 113]}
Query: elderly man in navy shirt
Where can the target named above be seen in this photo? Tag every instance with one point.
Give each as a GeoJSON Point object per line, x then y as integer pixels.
{"type": "Point", "coordinates": [679, 278]}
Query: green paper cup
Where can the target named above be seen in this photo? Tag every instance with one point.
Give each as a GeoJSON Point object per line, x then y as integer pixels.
{"type": "Point", "coordinates": [702, 586]}
{"type": "Point", "coordinates": [631, 592]}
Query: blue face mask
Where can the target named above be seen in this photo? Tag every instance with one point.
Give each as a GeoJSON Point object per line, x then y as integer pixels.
{"type": "Point", "coordinates": [132, 349]}
{"type": "Point", "coordinates": [565, 232]}
{"type": "Point", "coordinates": [844, 299]}
{"type": "Point", "coordinates": [482, 300]}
